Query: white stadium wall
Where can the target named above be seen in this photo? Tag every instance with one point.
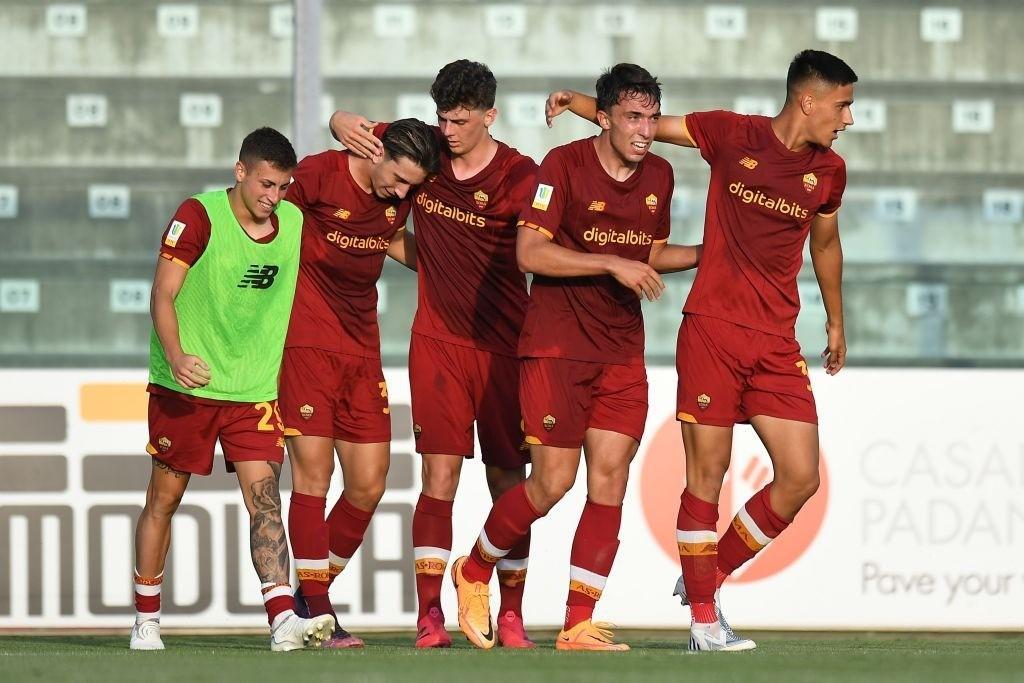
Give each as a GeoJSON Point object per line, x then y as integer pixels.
{"type": "Point", "coordinates": [919, 523]}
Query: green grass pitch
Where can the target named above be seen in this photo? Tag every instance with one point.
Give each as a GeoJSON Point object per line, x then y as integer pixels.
{"type": "Point", "coordinates": [656, 656]}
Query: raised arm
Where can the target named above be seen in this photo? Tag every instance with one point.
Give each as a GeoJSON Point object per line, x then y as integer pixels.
{"type": "Point", "coordinates": [536, 253]}
{"type": "Point", "coordinates": [356, 133]}
{"type": "Point", "coordinates": [671, 129]}
{"type": "Point", "coordinates": [827, 258]}
{"type": "Point", "coordinates": [189, 371]}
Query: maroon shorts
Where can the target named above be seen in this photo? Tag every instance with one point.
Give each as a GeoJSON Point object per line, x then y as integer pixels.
{"type": "Point", "coordinates": [183, 433]}
{"type": "Point", "coordinates": [334, 395]}
{"type": "Point", "coordinates": [560, 399]}
{"type": "Point", "coordinates": [454, 386]}
{"type": "Point", "coordinates": [729, 373]}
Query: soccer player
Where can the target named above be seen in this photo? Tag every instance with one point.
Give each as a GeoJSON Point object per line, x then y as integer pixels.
{"type": "Point", "coordinates": [595, 238]}
{"type": "Point", "coordinates": [773, 182]}
{"type": "Point", "coordinates": [221, 296]}
{"type": "Point", "coordinates": [333, 394]}
{"type": "Point", "coordinates": [462, 358]}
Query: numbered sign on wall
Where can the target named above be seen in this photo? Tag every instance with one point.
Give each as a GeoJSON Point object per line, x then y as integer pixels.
{"type": "Point", "coordinates": [86, 111]}
{"type": "Point", "coordinates": [869, 116]}
{"type": "Point", "coordinates": [200, 110]}
{"type": "Point", "coordinates": [897, 205]}
{"type": "Point", "coordinates": [394, 21]}
{"type": "Point", "coordinates": [526, 111]}
{"type": "Point", "coordinates": [927, 299]}
{"type": "Point", "coordinates": [177, 21]}
{"type": "Point", "coordinates": [420, 107]}
{"type": "Point", "coordinates": [725, 22]}
{"type": "Point", "coordinates": [8, 201]}
{"type": "Point", "coordinates": [282, 21]}
{"type": "Point", "coordinates": [1003, 205]}
{"type": "Point", "coordinates": [19, 296]}
{"type": "Point", "coordinates": [974, 116]}
{"type": "Point", "coordinates": [129, 296]}
{"type": "Point", "coordinates": [109, 201]}
{"type": "Point", "coordinates": [615, 21]}
{"type": "Point", "coordinates": [505, 21]}
{"type": "Point", "coordinates": [941, 24]}
{"type": "Point", "coordinates": [66, 20]}
{"type": "Point", "coordinates": [835, 24]}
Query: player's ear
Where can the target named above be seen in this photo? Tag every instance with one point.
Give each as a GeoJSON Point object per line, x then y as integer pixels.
{"type": "Point", "coordinates": [490, 116]}
{"type": "Point", "coordinates": [239, 171]}
{"type": "Point", "coordinates": [604, 120]}
{"type": "Point", "coordinates": [806, 103]}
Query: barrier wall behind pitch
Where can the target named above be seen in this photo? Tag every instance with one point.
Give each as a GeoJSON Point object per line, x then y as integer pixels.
{"type": "Point", "coordinates": [919, 522]}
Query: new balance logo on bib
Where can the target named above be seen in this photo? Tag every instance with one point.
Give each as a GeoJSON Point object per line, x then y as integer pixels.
{"type": "Point", "coordinates": [259, 277]}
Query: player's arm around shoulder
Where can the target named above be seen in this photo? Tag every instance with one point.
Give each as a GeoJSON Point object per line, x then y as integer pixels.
{"type": "Point", "coordinates": [355, 132]}
{"type": "Point", "coordinates": [827, 259]}
{"type": "Point", "coordinates": [671, 129]}
{"type": "Point", "coordinates": [189, 371]}
{"type": "Point", "coordinates": [403, 248]}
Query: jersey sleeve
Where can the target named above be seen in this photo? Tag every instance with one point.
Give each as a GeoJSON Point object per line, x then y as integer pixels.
{"type": "Point", "coordinates": [186, 236]}
{"type": "Point", "coordinates": [664, 226]}
{"type": "Point", "coordinates": [835, 195]}
{"type": "Point", "coordinates": [523, 181]}
{"type": "Point", "coordinates": [307, 180]}
{"type": "Point", "coordinates": [709, 129]}
{"type": "Point", "coordinates": [543, 212]}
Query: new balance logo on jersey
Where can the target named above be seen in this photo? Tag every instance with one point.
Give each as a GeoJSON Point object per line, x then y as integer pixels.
{"type": "Point", "coordinates": [259, 277]}
{"type": "Point", "coordinates": [596, 206]}
{"type": "Point", "coordinates": [749, 163]}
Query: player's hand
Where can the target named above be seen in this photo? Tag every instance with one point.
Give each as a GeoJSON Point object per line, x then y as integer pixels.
{"type": "Point", "coordinates": [356, 133]}
{"type": "Point", "coordinates": [190, 372]}
{"type": "Point", "coordinates": [638, 276]}
{"type": "Point", "coordinates": [557, 103]}
{"type": "Point", "coordinates": [835, 353]}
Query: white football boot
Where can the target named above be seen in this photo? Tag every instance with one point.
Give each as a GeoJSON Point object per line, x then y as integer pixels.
{"type": "Point", "coordinates": [146, 636]}
{"type": "Point", "coordinates": [295, 633]}
{"type": "Point", "coordinates": [712, 638]}
{"type": "Point", "coordinates": [734, 642]}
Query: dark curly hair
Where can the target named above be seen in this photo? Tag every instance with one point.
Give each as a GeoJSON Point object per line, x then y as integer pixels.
{"type": "Point", "coordinates": [266, 144]}
{"type": "Point", "coordinates": [626, 80]}
{"type": "Point", "coordinates": [414, 140]}
{"type": "Point", "coordinates": [466, 84]}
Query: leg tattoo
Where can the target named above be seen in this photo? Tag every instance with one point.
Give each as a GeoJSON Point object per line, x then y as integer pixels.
{"type": "Point", "coordinates": [267, 540]}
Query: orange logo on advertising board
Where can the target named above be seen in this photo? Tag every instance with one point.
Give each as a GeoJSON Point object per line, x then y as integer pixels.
{"type": "Point", "coordinates": [391, 213]}
{"type": "Point", "coordinates": [748, 163]}
{"type": "Point", "coordinates": [343, 214]}
{"type": "Point", "coordinates": [810, 182]}
{"type": "Point", "coordinates": [652, 202]}
{"type": "Point", "coordinates": [596, 206]}
{"type": "Point", "coordinates": [480, 197]}
{"type": "Point", "coordinates": [663, 476]}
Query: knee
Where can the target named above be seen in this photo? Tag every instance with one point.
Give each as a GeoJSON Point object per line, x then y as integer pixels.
{"type": "Point", "coordinates": [608, 488]}
{"type": "Point", "coordinates": [162, 503]}
{"type": "Point", "coordinates": [798, 487]}
{"type": "Point", "coordinates": [366, 497]}
{"type": "Point", "coordinates": [312, 481]}
{"type": "Point", "coordinates": [551, 489]}
{"type": "Point", "coordinates": [440, 481]}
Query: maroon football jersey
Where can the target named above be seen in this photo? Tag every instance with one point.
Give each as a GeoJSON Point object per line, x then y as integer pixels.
{"type": "Point", "coordinates": [580, 207]}
{"type": "Point", "coordinates": [761, 201]}
{"type": "Point", "coordinates": [345, 239]}
{"type": "Point", "coordinates": [471, 291]}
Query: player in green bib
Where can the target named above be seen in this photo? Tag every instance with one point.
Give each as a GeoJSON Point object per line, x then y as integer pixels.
{"type": "Point", "coordinates": [221, 301]}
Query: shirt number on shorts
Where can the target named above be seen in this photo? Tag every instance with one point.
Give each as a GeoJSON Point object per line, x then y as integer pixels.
{"type": "Point", "coordinates": [269, 410]}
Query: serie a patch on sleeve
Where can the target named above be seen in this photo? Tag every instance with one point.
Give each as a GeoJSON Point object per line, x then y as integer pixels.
{"type": "Point", "coordinates": [542, 199]}
{"type": "Point", "coordinates": [174, 233]}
